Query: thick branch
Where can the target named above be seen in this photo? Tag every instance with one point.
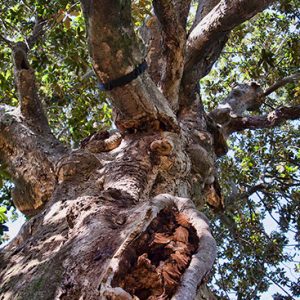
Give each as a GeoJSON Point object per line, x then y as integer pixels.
{"type": "Point", "coordinates": [173, 42]}
{"type": "Point", "coordinates": [270, 120]}
{"type": "Point", "coordinates": [221, 19]}
{"type": "Point", "coordinates": [31, 107]}
{"type": "Point", "coordinates": [282, 82]}
{"type": "Point", "coordinates": [189, 85]}
{"type": "Point", "coordinates": [203, 8]}
{"type": "Point", "coordinates": [30, 160]}
{"type": "Point", "coordinates": [115, 53]}
{"type": "Point", "coordinates": [208, 38]}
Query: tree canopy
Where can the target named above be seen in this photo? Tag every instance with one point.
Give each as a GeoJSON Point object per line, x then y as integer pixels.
{"type": "Point", "coordinates": [259, 176]}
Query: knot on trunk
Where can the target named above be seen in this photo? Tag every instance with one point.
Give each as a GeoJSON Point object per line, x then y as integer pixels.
{"type": "Point", "coordinates": [162, 147]}
{"type": "Point", "coordinates": [102, 141]}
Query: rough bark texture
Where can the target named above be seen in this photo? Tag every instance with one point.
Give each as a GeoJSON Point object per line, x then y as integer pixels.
{"type": "Point", "coordinates": [172, 18]}
{"type": "Point", "coordinates": [30, 157]}
{"type": "Point", "coordinates": [119, 217]}
{"type": "Point", "coordinates": [110, 29]}
{"type": "Point", "coordinates": [100, 205]}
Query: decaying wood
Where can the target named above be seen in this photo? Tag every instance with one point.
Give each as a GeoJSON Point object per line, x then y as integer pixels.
{"type": "Point", "coordinates": [149, 266]}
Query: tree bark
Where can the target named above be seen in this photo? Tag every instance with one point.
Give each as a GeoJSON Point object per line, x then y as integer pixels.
{"type": "Point", "coordinates": [118, 218]}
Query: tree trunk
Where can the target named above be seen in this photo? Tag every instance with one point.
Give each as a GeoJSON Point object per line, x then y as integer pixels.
{"type": "Point", "coordinates": [117, 218]}
{"type": "Point", "coordinates": [107, 211]}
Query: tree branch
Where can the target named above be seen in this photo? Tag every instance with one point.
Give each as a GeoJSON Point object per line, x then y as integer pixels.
{"type": "Point", "coordinates": [30, 104]}
{"type": "Point", "coordinates": [203, 8]}
{"type": "Point", "coordinates": [30, 158]}
{"type": "Point", "coordinates": [173, 42]}
{"type": "Point", "coordinates": [221, 19]}
{"type": "Point", "coordinates": [37, 31]}
{"type": "Point", "coordinates": [115, 53]}
{"type": "Point", "coordinates": [208, 38]}
{"type": "Point", "coordinates": [270, 120]}
{"type": "Point", "coordinates": [280, 83]}
{"type": "Point", "coordinates": [229, 114]}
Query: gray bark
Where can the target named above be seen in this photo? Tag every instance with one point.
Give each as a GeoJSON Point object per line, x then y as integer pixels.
{"type": "Point", "coordinates": [209, 36]}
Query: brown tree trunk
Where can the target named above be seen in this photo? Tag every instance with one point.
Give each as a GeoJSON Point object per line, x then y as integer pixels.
{"type": "Point", "coordinates": [117, 218]}
{"type": "Point", "coordinates": [105, 213]}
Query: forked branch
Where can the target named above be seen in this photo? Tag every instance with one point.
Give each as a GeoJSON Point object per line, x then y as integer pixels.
{"type": "Point", "coordinates": [115, 53]}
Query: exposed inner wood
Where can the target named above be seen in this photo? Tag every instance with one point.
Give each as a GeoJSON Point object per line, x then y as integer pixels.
{"type": "Point", "coordinates": [152, 266]}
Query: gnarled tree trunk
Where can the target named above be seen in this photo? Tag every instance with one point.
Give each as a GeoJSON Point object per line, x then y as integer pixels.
{"type": "Point", "coordinates": [117, 218]}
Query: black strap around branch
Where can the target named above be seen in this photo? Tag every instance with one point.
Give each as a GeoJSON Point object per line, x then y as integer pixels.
{"type": "Point", "coordinates": [108, 86]}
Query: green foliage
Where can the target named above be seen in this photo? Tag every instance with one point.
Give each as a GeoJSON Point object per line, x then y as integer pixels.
{"type": "Point", "coordinates": [140, 10]}
{"type": "Point", "coordinates": [258, 234]}
{"type": "Point", "coordinates": [74, 105]}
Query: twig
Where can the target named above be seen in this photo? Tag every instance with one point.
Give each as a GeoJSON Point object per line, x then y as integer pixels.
{"type": "Point", "coordinates": [292, 78]}
{"type": "Point", "coordinates": [281, 288]}
{"type": "Point", "coordinates": [5, 40]}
